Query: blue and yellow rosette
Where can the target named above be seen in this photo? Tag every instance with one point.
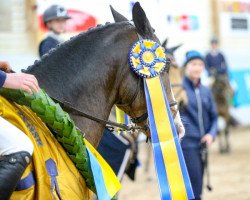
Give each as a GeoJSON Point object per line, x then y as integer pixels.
{"type": "Point", "coordinates": [147, 59]}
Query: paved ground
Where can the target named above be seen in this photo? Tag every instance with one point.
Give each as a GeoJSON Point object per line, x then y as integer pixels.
{"type": "Point", "coordinates": [230, 174]}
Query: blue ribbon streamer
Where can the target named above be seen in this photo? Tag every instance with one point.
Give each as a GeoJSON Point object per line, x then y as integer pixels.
{"type": "Point", "coordinates": [158, 158]}
{"type": "Point", "coordinates": [185, 174]}
{"type": "Point", "coordinates": [160, 167]}
{"type": "Point", "coordinates": [98, 178]}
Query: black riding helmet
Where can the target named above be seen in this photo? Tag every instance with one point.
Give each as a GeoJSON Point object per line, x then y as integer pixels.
{"type": "Point", "coordinates": [55, 12]}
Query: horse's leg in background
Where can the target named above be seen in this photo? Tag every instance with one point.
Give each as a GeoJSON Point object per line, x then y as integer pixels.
{"type": "Point", "coordinates": [225, 148]}
{"type": "Point", "coordinates": [227, 130]}
{"type": "Point", "coordinates": [223, 132]}
{"type": "Point", "coordinates": [220, 141]}
{"type": "Point", "coordinates": [227, 142]}
{"type": "Point", "coordinates": [147, 164]}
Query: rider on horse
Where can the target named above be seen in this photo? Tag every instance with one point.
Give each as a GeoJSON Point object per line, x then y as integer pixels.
{"type": "Point", "coordinates": [15, 147]}
{"type": "Point", "coordinates": [215, 60]}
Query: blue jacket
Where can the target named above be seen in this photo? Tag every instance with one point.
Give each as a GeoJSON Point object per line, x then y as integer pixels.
{"type": "Point", "coordinates": [216, 61]}
{"type": "Point", "coordinates": [200, 115]}
{"type": "Point", "coordinates": [47, 44]}
{"type": "Point", "coordinates": [2, 78]}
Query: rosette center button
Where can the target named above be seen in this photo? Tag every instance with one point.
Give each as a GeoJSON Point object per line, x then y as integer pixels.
{"type": "Point", "coordinates": [148, 57]}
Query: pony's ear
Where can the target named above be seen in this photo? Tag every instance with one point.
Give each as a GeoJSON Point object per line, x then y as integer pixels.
{"type": "Point", "coordinates": [176, 47]}
{"type": "Point", "coordinates": [173, 49]}
{"type": "Point", "coordinates": [165, 42]}
{"type": "Point", "coordinates": [141, 21]}
{"type": "Point", "coordinates": [117, 16]}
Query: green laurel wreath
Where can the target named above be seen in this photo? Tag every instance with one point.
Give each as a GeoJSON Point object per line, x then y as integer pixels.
{"type": "Point", "coordinates": [67, 134]}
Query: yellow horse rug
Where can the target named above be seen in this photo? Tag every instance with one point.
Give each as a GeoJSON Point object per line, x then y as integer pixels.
{"type": "Point", "coordinates": [51, 174]}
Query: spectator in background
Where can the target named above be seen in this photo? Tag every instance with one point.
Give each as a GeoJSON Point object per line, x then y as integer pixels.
{"type": "Point", "coordinates": [215, 60]}
{"type": "Point", "coordinates": [54, 18]}
{"type": "Point", "coordinates": [199, 119]}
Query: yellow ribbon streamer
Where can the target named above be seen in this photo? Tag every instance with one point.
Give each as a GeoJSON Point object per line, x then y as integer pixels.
{"type": "Point", "coordinates": [166, 139]}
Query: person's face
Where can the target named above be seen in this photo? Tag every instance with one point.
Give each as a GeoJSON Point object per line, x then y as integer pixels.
{"type": "Point", "coordinates": [57, 25]}
{"type": "Point", "coordinates": [214, 45]}
{"type": "Point", "coordinates": [194, 69]}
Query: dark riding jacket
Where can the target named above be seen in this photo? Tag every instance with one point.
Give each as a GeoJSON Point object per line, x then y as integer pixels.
{"type": "Point", "coordinates": [216, 62]}
{"type": "Point", "coordinates": [51, 41]}
{"type": "Point", "coordinates": [2, 78]}
{"type": "Point", "coordinates": [200, 115]}
{"type": "Point", "coordinates": [47, 44]}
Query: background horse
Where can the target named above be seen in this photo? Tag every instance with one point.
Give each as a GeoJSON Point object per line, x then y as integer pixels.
{"type": "Point", "coordinates": [223, 93]}
{"type": "Point", "coordinates": [175, 75]}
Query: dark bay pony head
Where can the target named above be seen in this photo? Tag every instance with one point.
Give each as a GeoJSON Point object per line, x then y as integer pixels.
{"type": "Point", "coordinates": [147, 32]}
{"type": "Point", "coordinates": [91, 72]}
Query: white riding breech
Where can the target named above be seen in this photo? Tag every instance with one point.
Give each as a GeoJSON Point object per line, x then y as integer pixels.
{"type": "Point", "coordinates": [12, 139]}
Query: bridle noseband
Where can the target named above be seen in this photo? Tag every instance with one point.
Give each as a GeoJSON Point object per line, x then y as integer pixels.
{"type": "Point", "coordinates": [144, 116]}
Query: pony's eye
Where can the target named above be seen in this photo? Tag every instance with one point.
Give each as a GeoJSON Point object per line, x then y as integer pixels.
{"type": "Point", "coordinates": [168, 60]}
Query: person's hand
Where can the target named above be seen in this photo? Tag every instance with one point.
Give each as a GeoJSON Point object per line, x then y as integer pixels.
{"type": "Point", "coordinates": [208, 139]}
{"type": "Point", "coordinates": [21, 81]}
{"type": "Point", "coordinates": [5, 66]}
{"type": "Point", "coordinates": [181, 130]}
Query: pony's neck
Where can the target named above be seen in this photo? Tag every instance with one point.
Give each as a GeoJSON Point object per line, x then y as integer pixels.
{"type": "Point", "coordinates": [83, 72]}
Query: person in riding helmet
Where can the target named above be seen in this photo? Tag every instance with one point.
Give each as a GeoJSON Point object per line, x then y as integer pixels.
{"type": "Point", "coordinates": [54, 18]}
{"type": "Point", "coordinates": [16, 148]}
